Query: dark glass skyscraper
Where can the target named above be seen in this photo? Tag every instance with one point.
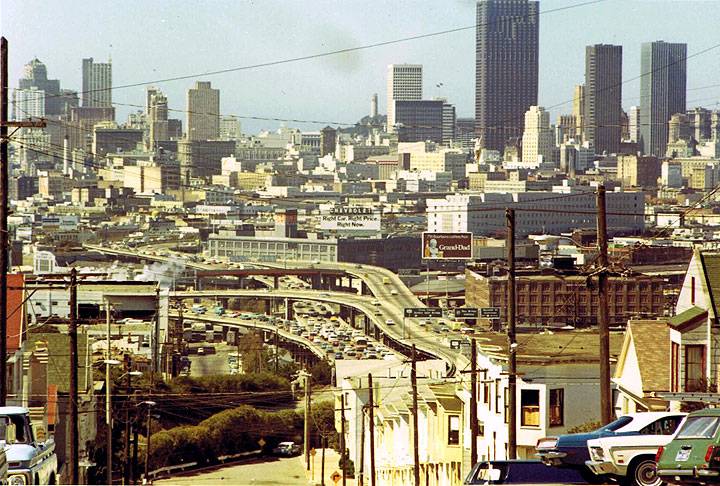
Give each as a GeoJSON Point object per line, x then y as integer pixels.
{"type": "Point", "coordinates": [663, 70]}
{"type": "Point", "coordinates": [603, 97]}
{"type": "Point", "coordinates": [506, 68]}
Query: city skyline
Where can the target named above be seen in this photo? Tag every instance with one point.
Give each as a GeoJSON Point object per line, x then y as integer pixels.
{"type": "Point", "coordinates": [352, 77]}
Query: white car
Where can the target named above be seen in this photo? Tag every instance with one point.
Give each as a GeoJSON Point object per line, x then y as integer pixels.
{"type": "Point", "coordinates": [631, 458]}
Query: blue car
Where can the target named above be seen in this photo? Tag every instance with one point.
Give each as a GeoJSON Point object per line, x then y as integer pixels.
{"type": "Point", "coordinates": [571, 450]}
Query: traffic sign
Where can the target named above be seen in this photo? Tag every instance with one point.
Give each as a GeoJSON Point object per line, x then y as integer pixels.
{"type": "Point", "coordinates": [313, 451]}
{"type": "Point", "coordinates": [262, 442]}
{"type": "Point", "coordinates": [466, 313]}
{"type": "Point", "coordinates": [335, 477]}
{"type": "Point", "coordinates": [423, 312]}
{"type": "Point", "coordinates": [490, 312]}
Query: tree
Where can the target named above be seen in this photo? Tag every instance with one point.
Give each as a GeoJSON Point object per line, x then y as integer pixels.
{"type": "Point", "coordinates": [250, 347]}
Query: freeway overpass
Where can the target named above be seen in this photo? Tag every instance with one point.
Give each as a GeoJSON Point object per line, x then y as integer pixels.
{"type": "Point", "coordinates": [376, 284]}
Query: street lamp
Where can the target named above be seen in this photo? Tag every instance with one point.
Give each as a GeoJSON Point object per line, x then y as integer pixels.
{"type": "Point", "coordinates": [149, 404]}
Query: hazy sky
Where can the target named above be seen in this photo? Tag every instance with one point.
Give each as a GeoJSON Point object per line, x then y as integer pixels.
{"type": "Point", "coordinates": [151, 40]}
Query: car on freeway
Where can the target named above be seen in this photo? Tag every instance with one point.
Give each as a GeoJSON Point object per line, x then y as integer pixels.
{"type": "Point", "coordinates": [286, 449]}
{"type": "Point", "coordinates": [571, 451]}
{"type": "Point", "coordinates": [693, 455]}
{"type": "Point", "coordinates": [389, 322]}
{"type": "Point", "coordinates": [525, 472]}
{"type": "Point", "coordinates": [631, 459]}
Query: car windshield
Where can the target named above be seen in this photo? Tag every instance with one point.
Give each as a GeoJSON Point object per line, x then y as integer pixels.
{"type": "Point", "coordinates": [699, 428]}
{"type": "Point", "coordinates": [617, 424]}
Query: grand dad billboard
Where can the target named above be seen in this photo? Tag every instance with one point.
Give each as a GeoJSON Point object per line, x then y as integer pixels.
{"type": "Point", "coordinates": [447, 246]}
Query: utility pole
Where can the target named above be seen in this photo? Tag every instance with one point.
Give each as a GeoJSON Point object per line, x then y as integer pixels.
{"type": "Point", "coordinates": [277, 350]}
{"type": "Point", "coordinates": [147, 449]}
{"type": "Point", "coordinates": [306, 435]}
{"type": "Point", "coordinates": [371, 427]}
{"type": "Point", "coordinates": [473, 403]}
{"type": "Point", "coordinates": [108, 398]}
{"type": "Point", "coordinates": [361, 474]}
{"type": "Point", "coordinates": [4, 211]}
{"type": "Point", "coordinates": [322, 462]}
{"type": "Point", "coordinates": [512, 345]}
{"type": "Point", "coordinates": [73, 460]}
{"type": "Point", "coordinates": [603, 325]}
{"type": "Point", "coordinates": [126, 469]}
{"type": "Point", "coordinates": [156, 337]}
{"type": "Point", "coordinates": [342, 437]}
{"type": "Point", "coordinates": [416, 446]}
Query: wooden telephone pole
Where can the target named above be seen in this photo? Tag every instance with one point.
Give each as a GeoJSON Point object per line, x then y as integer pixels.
{"type": "Point", "coordinates": [603, 324]}
{"type": "Point", "coordinates": [473, 403]}
{"type": "Point", "coordinates": [512, 344]}
{"type": "Point", "coordinates": [416, 433]}
{"type": "Point", "coordinates": [371, 428]}
{"type": "Point", "coordinates": [73, 459]}
{"type": "Point", "coordinates": [4, 211]}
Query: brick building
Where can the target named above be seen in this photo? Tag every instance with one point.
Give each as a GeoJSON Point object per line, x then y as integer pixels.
{"type": "Point", "coordinates": [567, 298]}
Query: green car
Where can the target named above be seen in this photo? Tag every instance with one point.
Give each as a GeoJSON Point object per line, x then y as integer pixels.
{"type": "Point", "coordinates": [693, 456]}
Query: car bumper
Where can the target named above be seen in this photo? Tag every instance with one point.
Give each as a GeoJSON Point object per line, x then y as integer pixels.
{"type": "Point", "coordinates": [694, 473]}
{"type": "Point", "coordinates": [603, 467]}
{"type": "Point", "coordinates": [552, 458]}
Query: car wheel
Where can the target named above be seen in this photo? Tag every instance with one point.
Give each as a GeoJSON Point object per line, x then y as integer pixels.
{"type": "Point", "coordinates": [644, 473]}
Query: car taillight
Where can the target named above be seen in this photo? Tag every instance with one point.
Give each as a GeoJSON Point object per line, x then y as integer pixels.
{"type": "Point", "coordinates": [659, 454]}
{"type": "Point", "coordinates": [712, 454]}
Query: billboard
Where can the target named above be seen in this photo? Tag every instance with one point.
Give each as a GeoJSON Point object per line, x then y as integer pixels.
{"type": "Point", "coordinates": [350, 218]}
{"type": "Point", "coordinates": [447, 246]}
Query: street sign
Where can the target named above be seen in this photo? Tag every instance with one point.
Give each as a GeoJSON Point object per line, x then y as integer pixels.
{"type": "Point", "coordinates": [313, 451]}
{"type": "Point", "coordinates": [423, 312]}
{"type": "Point", "coordinates": [490, 312]}
{"type": "Point", "coordinates": [466, 313]}
{"type": "Point", "coordinates": [336, 477]}
{"type": "Point", "coordinates": [262, 442]}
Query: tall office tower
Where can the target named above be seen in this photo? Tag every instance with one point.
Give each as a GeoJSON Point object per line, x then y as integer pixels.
{"type": "Point", "coordinates": [702, 122]}
{"type": "Point", "coordinates": [419, 120]}
{"type": "Point", "coordinates": [565, 128]}
{"type": "Point", "coordinates": [663, 71]}
{"type": "Point", "coordinates": [28, 103]}
{"type": "Point", "coordinates": [537, 138]}
{"type": "Point", "coordinates": [680, 127]}
{"type": "Point", "coordinates": [506, 68]}
{"type": "Point", "coordinates": [230, 128]}
{"type": "Point", "coordinates": [373, 105]}
{"type": "Point", "coordinates": [157, 117]}
{"type": "Point", "coordinates": [579, 108]}
{"type": "Point", "coordinates": [448, 123]}
{"type": "Point", "coordinates": [603, 96]}
{"type": "Point", "coordinates": [203, 112]}
{"type": "Point", "coordinates": [634, 123]}
{"type": "Point", "coordinates": [35, 76]}
{"type": "Point", "coordinates": [96, 84]}
{"type": "Point", "coordinates": [150, 92]}
{"type": "Point", "coordinates": [404, 83]}
{"type": "Point", "coordinates": [715, 126]}
{"type": "Point", "coordinates": [328, 141]}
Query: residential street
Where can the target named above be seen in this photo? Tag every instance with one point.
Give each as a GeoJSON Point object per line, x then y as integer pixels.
{"type": "Point", "coordinates": [261, 472]}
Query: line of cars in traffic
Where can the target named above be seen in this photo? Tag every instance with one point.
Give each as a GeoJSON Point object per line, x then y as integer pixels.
{"type": "Point", "coordinates": [637, 449]}
{"type": "Point", "coordinates": [317, 323]}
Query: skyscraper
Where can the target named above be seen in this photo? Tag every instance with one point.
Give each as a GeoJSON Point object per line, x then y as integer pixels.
{"type": "Point", "coordinates": [404, 83]}
{"type": "Point", "coordinates": [96, 84]}
{"type": "Point", "coordinates": [203, 112]}
{"type": "Point", "coordinates": [157, 117]}
{"type": "Point", "coordinates": [29, 103]}
{"type": "Point", "coordinates": [506, 68]}
{"type": "Point", "coordinates": [634, 122]}
{"type": "Point", "coordinates": [579, 108]}
{"type": "Point", "coordinates": [603, 97]}
{"type": "Point", "coordinates": [35, 76]}
{"type": "Point", "coordinates": [663, 71]}
{"type": "Point", "coordinates": [538, 136]}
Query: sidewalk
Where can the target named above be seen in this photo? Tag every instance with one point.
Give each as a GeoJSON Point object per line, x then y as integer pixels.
{"type": "Point", "coordinates": [331, 466]}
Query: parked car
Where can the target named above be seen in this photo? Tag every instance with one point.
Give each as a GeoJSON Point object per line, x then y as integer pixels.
{"type": "Point", "coordinates": [521, 472]}
{"type": "Point", "coordinates": [286, 449]}
{"type": "Point", "coordinates": [693, 455]}
{"type": "Point", "coordinates": [31, 459]}
{"type": "Point", "coordinates": [571, 450]}
{"type": "Point", "coordinates": [631, 459]}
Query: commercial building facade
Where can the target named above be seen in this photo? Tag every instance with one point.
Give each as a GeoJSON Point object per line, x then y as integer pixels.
{"type": "Point", "coordinates": [602, 97]}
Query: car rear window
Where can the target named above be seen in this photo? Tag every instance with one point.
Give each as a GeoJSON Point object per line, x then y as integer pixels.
{"type": "Point", "coordinates": [699, 428]}
{"type": "Point", "coordinates": [621, 422]}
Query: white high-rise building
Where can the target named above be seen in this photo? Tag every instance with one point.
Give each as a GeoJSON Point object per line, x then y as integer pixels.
{"type": "Point", "coordinates": [203, 112]}
{"type": "Point", "coordinates": [29, 103]}
{"type": "Point", "coordinates": [537, 142]}
{"type": "Point", "coordinates": [634, 123]}
{"type": "Point", "coordinates": [96, 84]}
{"type": "Point", "coordinates": [230, 128]}
{"type": "Point", "coordinates": [404, 83]}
